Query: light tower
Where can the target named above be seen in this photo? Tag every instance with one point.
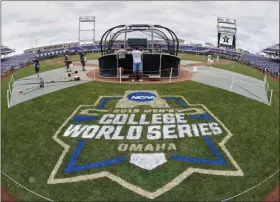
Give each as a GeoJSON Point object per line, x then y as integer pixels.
{"type": "Point", "coordinates": [90, 22]}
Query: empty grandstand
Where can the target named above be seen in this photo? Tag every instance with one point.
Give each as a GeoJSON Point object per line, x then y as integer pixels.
{"type": "Point", "coordinates": [52, 47]}
{"type": "Point", "coordinates": [272, 51]}
{"type": "Point", "coordinates": [5, 50]}
{"type": "Point", "coordinates": [9, 63]}
{"type": "Point", "coordinates": [15, 62]}
{"type": "Point", "coordinates": [263, 63]}
{"type": "Point", "coordinates": [268, 64]}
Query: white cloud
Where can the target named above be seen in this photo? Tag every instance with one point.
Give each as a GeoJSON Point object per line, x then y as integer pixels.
{"type": "Point", "coordinates": [55, 22]}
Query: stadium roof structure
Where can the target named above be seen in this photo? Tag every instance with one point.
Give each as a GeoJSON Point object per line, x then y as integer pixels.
{"type": "Point", "coordinates": [5, 50]}
{"type": "Point", "coordinates": [274, 49]}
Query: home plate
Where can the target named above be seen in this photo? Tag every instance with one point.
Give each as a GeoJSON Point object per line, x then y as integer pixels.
{"type": "Point", "coordinates": [148, 161]}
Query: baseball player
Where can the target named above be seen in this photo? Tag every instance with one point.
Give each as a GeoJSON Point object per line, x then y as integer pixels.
{"type": "Point", "coordinates": [121, 53]}
{"type": "Point", "coordinates": [209, 60]}
{"type": "Point", "coordinates": [37, 65]}
{"type": "Point", "coordinates": [137, 63]}
{"type": "Point", "coordinates": [67, 62]}
{"type": "Point", "coordinates": [83, 61]}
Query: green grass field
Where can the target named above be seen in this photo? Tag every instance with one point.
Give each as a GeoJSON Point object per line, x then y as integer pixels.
{"type": "Point", "coordinates": [29, 153]}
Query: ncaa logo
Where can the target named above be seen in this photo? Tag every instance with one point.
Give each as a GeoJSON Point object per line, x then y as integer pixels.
{"type": "Point", "coordinates": [141, 97]}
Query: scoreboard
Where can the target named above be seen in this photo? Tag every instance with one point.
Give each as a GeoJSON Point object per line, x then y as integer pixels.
{"type": "Point", "coordinates": [140, 42]}
{"type": "Point", "coordinates": [226, 28]}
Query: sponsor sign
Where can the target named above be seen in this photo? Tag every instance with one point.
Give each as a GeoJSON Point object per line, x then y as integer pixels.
{"type": "Point", "coordinates": [141, 96]}
{"type": "Point", "coordinates": [143, 141]}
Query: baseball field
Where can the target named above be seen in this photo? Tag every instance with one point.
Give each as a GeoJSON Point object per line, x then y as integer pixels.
{"type": "Point", "coordinates": [60, 147]}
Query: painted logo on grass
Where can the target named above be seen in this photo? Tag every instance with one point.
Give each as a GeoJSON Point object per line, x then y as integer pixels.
{"type": "Point", "coordinates": [148, 147]}
{"type": "Point", "coordinates": [141, 96]}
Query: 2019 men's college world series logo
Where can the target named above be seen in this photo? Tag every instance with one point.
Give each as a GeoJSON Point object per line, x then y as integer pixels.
{"type": "Point", "coordinates": [145, 142]}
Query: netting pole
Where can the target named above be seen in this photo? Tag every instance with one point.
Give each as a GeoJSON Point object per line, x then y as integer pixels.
{"type": "Point", "coordinates": [125, 36]}
{"type": "Point", "coordinates": [10, 88]}
{"type": "Point", "coordinates": [265, 78]}
{"type": "Point", "coordinates": [232, 83]}
{"type": "Point", "coordinates": [170, 75]}
{"type": "Point", "coordinates": [152, 38]}
{"type": "Point", "coordinates": [94, 74]}
{"type": "Point", "coordinates": [117, 61]}
{"type": "Point", "coordinates": [271, 93]}
{"type": "Point", "coordinates": [142, 57]}
{"type": "Point", "coordinates": [8, 102]}
{"type": "Point", "coordinates": [120, 75]}
{"type": "Point", "coordinates": [160, 65]}
{"type": "Point", "coordinates": [12, 79]}
{"type": "Point", "coordinates": [267, 87]}
{"type": "Point", "coordinates": [45, 86]}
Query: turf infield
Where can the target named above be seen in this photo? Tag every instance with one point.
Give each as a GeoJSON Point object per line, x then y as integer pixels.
{"type": "Point", "coordinates": [28, 150]}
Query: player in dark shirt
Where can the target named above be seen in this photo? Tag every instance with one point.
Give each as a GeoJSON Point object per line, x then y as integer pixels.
{"type": "Point", "coordinates": [37, 65]}
{"type": "Point", "coordinates": [83, 61]}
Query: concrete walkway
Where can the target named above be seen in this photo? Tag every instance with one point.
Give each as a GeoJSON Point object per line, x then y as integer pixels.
{"type": "Point", "coordinates": [187, 62]}
{"type": "Point", "coordinates": [56, 79]}
{"type": "Point", "coordinates": [94, 62]}
{"type": "Point", "coordinates": [242, 85]}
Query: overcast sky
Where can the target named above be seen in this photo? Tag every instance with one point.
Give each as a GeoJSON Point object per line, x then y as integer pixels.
{"type": "Point", "coordinates": [56, 22]}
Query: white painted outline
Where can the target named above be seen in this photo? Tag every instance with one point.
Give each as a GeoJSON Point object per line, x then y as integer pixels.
{"type": "Point", "coordinates": [250, 79]}
{"type": "Point", "coordinates": [25, 187]}
{"type": "Point", "coordinates": [151, 195]}
{"type": "Point", "coordinates": [251, 187]}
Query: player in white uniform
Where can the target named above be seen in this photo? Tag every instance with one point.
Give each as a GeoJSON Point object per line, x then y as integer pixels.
{"type": "Point", "coordinates": [137, 63]}
{"type": "Point", "coordinates": [209, 59]}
